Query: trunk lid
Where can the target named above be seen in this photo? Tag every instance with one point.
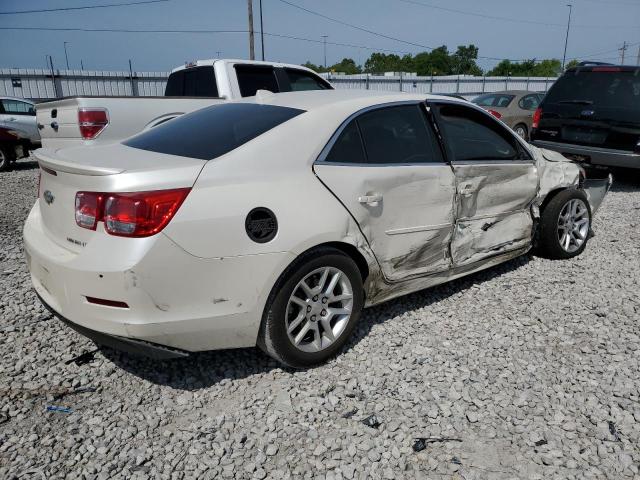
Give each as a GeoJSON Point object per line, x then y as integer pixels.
{"type": "Point", "coordinates": [111, 169]}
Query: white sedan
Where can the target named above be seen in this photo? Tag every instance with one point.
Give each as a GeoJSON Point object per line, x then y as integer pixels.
{"type": "Point", "coordinates": [275, 221]}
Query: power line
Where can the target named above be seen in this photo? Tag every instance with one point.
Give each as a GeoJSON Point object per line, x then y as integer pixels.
{"type": "Point", "coordinates": [87, 7]}
{"type": "Point", "coordinates": [378, 34]}
{"type": "Point", "coordinates": [507, 19]}
{"type": "Point", "coordinates": [170, 31]}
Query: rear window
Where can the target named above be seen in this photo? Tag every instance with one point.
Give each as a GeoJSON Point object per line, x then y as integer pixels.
{"type": "Point", "coordinates": [494, 100]}
{"type": "Point", "coordinates": [252, 78]}
{"type": "Point", "coordinates": [192, 82]}
{"type": "Point", "coordinates": [604, 88]}
{"type": "Point", "coordinates": [301, 81]}
{"type": "Point", "coordinates": [213, 131]}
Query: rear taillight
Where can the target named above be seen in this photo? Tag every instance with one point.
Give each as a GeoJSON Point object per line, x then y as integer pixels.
{"type": "Point", "coordinates": [92, 121]}
{"type": "Point", "coordinates": [139, 214]}
{"type": "Point", "coordinates": [536, 118]}
{"type": "Point", "coordinates": [498, 115]}
{"type": "Point", "coordinates": [88, 209]}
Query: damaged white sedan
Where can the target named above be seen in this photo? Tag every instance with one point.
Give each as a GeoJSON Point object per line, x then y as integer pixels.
{"type": "Point", "coordinates": [276, 221]}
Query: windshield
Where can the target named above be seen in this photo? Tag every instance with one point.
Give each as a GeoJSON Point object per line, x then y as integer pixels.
{"type": "Point", "coordinates": [494, 100]}
{"type": "Point", "coordinates": [212, 131]}
{"type": "Point", "coordinates": [607, 89]}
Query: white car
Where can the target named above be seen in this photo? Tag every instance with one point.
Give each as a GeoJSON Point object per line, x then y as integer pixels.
{"type": "Point", "coordinates": [18, 129]}
{"type": "Point", "coordinates": [275, 221]}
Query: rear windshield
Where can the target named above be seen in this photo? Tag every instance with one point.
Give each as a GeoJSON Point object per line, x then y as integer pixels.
{"type": "Point", "coordinates": [605, 89]}
{"type": "Point", "coordinates": [494, 100]}
{"type": "Point", "coordinates": [192, 82]}
{"type": "Point", "coordinates": [213, 131]}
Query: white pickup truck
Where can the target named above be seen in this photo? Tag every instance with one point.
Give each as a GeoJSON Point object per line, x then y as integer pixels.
{"type": "Point", "coordinates": [87, 120]}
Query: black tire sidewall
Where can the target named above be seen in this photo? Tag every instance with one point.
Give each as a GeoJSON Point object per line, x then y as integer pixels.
{"type": "Point", "coordinates": [5, 161]}
{"type": "Point", "coordinates": [274, 321]}
{"type": "Point", "coordinates": [549, 242]}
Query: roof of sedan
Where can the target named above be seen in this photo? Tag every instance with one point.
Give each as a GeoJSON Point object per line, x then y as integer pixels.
{"type": "Point", "coordinates": [316, 99]}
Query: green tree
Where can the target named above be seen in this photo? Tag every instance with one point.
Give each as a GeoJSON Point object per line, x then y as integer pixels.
{"type": "Point", "coordinates": [347, 65]}
{"type": "Point", "coordinates": [382, 62]}
{"type": "Point", "coordinates": [314, 67]}
{"type": "Point", "coordinates": [573, 63]}
{"type": "Point", "coordinates": [464, 61]}
{"type": "Point", "coordinates": [527, 68]}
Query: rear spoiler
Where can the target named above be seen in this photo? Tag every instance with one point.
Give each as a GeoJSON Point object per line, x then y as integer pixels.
{"type": "Point", "coordinates": [49, 159]}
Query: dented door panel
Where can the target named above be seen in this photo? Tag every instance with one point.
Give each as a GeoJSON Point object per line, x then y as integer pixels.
{"type": "Point", "coordinates": [409, 228]}
{"type": "Point", "coordinates": [493, 214]}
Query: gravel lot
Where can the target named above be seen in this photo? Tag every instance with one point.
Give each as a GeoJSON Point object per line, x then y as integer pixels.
{"type": "Point", "coordinates": [528, 370]}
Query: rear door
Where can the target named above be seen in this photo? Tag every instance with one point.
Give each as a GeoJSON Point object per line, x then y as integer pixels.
{"type": "Point", "coordinates": [597, 107]}
{"type": "Point", "coordinates": [496, 182]}
{"type": "Point", "coordinates": [386, 167]}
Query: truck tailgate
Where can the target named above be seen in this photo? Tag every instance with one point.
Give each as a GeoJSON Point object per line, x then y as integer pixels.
{"type": "Point", "coordinates": [127, 116]}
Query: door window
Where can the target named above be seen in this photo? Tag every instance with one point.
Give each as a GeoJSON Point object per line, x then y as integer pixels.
{"type": "Point", "coordinates": [301, 80]}
{"type": "Point", "coordinates": [16, 107]}
{"type": "Point", "coordinates": [398, 134]}
{"type": "Point", "coordinates": [471, 135]}
{"type": "Point", "coordinates": [529, 102]}
{"type": "Point", "coordinates": [348, 147]}
{"type": "Point", "coordinates": [253, 78]}
{"type": "Point", "coordinates": [498, 100]}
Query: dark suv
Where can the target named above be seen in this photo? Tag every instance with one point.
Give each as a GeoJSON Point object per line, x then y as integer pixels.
{"type": "Point", "coordinates": [592, 114]}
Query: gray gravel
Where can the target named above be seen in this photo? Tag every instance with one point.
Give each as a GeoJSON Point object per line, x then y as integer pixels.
{"type": "Point", "coordinates": [529, 370]}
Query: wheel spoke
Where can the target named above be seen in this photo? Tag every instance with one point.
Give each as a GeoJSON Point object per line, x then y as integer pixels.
{"type": "Point", "coordinates": [296, 321]}
{"type": "Point", "coordinates": [567, 241]}
{"type": "Point", "coordinates": [317, 338]}
{"type": "Point", "coordinates": [298, 301]}
{"type": "Point", "coordinates": [328, 331]}
{"type": "Point", "coordinates": [332, 284]}
{"type": "Point", "coordinates": [339, 311]}
{"type": "Point", "coordinates": [322, 281]}
{"type": "Point", "coordinates": [340, 298]}
{"type": "Point", "coordinates": [580, 236]}
{"type": "Point", "coordinates": [307, 290]}
{"type": "Point", "coordinates": [582, 222]}
{"type": "Point", "coordinates": [303, 331]}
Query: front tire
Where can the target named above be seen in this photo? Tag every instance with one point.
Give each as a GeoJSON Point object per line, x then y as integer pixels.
{"type": "Point", "coordinates": [313, 309]}
{"type": "Point", "coordinates": [565, 224]}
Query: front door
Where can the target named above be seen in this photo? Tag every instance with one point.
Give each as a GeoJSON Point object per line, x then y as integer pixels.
{"type": "Point", "coordinates": [386, 167]}
{"type": "Point", "coordinates": [496, 181]}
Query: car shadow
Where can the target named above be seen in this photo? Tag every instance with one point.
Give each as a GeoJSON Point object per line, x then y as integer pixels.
{"type": "Point", "coordinates": [204, 369]}
{"type": "Point", "coordinates": [24, 165]}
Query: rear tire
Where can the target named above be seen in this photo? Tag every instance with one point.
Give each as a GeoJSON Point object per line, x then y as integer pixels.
{"type": "Point", "coordinates": [312, 309]}
{"type": "Point", "coordinates": [522, 131]}
{"type": "Point", "coordinates": [5, 159]}
{"type": "Point", "coordinates": [565, 224]}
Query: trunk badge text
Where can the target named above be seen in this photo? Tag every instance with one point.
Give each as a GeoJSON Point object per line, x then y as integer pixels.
{"type": "Point", "coordinates": [48, 197]}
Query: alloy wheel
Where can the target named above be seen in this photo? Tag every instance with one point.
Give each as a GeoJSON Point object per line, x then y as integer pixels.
{"type": "Point", "coordinates": [573, 225]}
{"type": "Point", "coordinates": [319, 309]}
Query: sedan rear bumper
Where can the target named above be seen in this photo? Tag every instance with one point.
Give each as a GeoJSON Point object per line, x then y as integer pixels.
{"type": "Point", "coordinates": [129, 345]}
{"type": "Point", "coordinates": [594, 155]}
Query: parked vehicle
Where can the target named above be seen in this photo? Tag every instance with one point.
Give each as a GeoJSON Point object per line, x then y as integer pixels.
{"type": "Point", "coordinates": [18, 131]}
{"type": "Point", "coordinates": [83, 120]}
{"type": "Point", "coordinates": [274, 222]}
{"type": "Point", "coordinates": [513, 107]}
{"type": "Point", "coordinates": [592, 114]}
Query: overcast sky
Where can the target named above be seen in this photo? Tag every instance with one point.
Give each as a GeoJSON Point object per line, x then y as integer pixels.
{"type": "Point", "coordinates": [532, 29]}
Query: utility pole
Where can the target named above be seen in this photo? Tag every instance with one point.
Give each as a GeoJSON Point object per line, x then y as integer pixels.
{"type": "Point", "coordinates": [252, 52]}
{"type": "Point", "coordinates": [324, 43]}
{"type": "Point", "coordinates": [638, 61]}
{"type": "Point", "coordinates": [566, 41]}
{"type": "Point", "coordinates": [81, 65]}
{"type": "Point", "coordinates": [65, 54]}
{"type": "Point", "coordinates": [623, 50]}
{"type": "Point", "coordinates": [218, 54]}
{"type": "Point", "coordinates": [261, 32]}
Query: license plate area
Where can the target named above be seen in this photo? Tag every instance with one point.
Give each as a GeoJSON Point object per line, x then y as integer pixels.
{"type": "Point", "coordinates": [592, 136]}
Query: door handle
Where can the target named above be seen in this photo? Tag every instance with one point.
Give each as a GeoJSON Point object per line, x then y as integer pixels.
{"type": "Point", "coordinates": [372, 200]}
